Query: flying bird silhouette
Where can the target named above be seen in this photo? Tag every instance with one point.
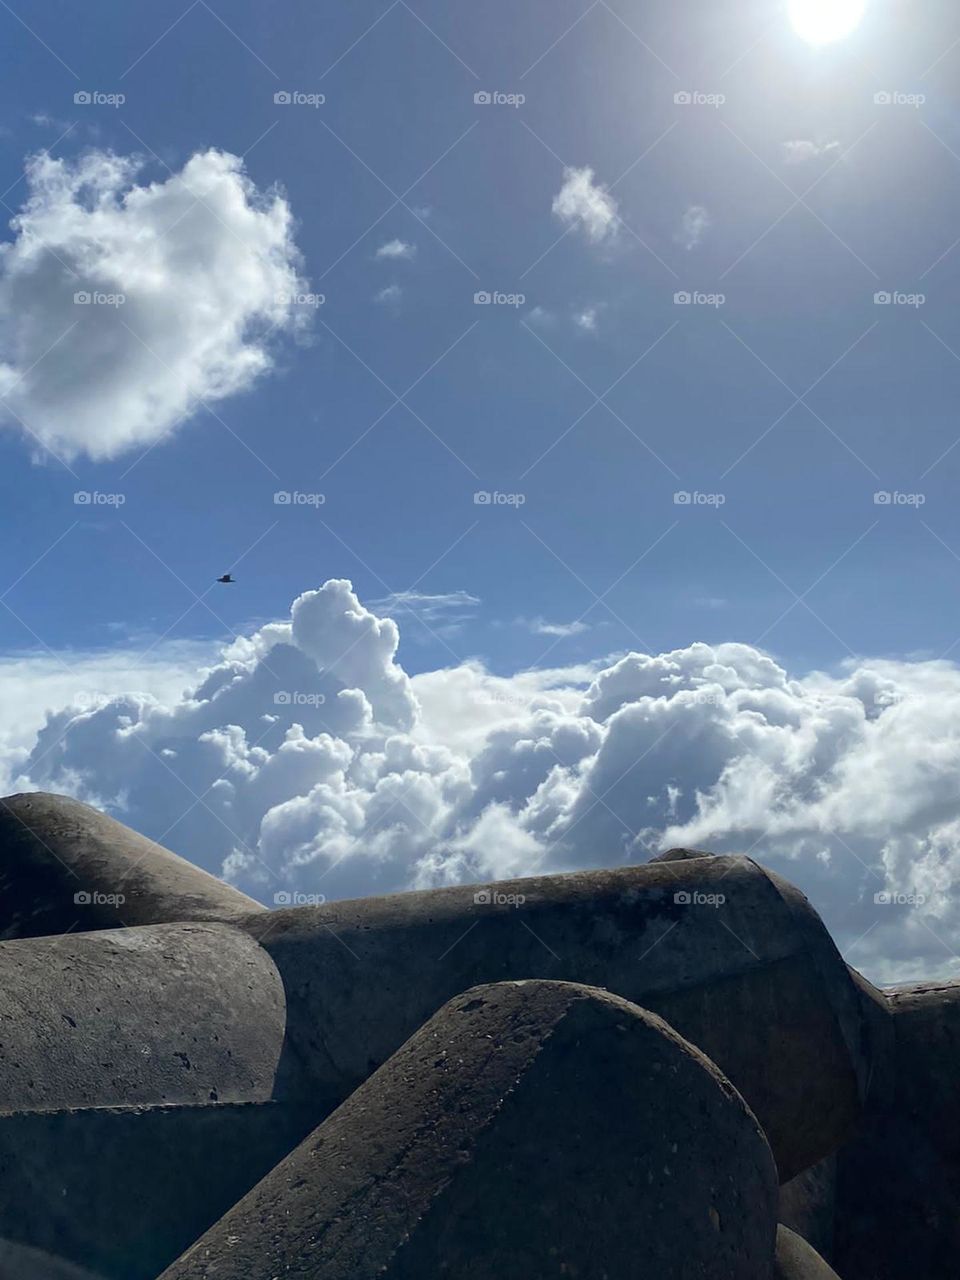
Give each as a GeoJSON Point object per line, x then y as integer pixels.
{"type": "Point", "coordinates": [227, 577]}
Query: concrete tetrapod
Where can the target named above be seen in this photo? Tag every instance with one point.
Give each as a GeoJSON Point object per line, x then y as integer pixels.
{"type": "Point", "coordinates": [731, 955]}
{"type": "Point", "coordinates": [926, 1028]}
{"type": "Point", "coordinates": [797, 1260]}
{"type": "Point", "coordinates": [124, 1190]}
{"type": "Point", "coordinates": [528, 1129]}
{"type": "Point", "coordinates": [169, 1013]}
{"type": "Point", "coordinates": [64, 865]}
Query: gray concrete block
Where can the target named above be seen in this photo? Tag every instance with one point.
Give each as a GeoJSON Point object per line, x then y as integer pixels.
{"type": "Point", "coordinates": [63, 866]}
{"type": "Point", "coordinates": [169, 1013]}
{"type": "Point", "coordinates": [529, 1129]}
{"type": "Point", "coordinates": [727, 952]}
{"type": "Point", "coordinates": [124, 1190]}
{"type": "Point", "coordinates": [797, 1260]}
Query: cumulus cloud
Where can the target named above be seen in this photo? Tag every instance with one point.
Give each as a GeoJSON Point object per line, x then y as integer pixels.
{"type": "Point", "coordinates": [800, 151]}
{"type": "Point", "coordinates": [585, 204]}
{"type": "Point", "coordinates": [306, 757]}
{"type": "Point", "coordinates": [123, 306]}
{"type": "Point", "coordinates": [390, 296]}
{"type": "Point", "coordinates": [694, 225]}
{"type": "Point", "coordinates": [397, 249]}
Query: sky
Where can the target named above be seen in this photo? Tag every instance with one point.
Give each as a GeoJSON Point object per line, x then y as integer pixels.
{"type": "Point", "coordinates": [569, 389]}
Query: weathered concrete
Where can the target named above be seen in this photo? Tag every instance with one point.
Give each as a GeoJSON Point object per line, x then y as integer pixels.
{"type": "Point", "coordinates": [808, 1205]}
{"type": "Point", "coordinates": [529, 1129]}
{"type": "Point", "coordinates": [125, 1190]}
{"type": "Point", "coordinates": [168, 1013]}
{"type": "Point", "coordinates": [756, 982]}
{"type": "Point", "coordinates": [20, 1263]}
{"type": "Point", "coordinates": [926, 1021]}
{"type": "Point", "coordinates": [898, 1206]}
{"type": "Point", "coordinates": [63, 865]}
{"type": "Point", "coordinates": [796, 1260]}
{"type": "Point", "coordinates": [680, 855]}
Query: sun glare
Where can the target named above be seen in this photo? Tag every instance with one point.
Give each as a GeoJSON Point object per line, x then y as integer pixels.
{"type": "Point", "coordinates": [823, 21]}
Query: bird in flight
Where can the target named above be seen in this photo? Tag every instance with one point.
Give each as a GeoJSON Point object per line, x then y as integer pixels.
{"type": "Point", "coordinates": [227, 577]}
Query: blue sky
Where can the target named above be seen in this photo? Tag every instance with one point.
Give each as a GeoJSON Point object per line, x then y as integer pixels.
{"type": "Point", "coordinates": [799, 495]}
{"type": "Point", "coordinates": [631, 153]}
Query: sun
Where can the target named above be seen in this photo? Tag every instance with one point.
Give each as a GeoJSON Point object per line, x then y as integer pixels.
{"type": "Point", "coordinates": [823, 21]}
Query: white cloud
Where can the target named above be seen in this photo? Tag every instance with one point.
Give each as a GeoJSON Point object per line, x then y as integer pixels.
{"type": "Point", "coordinates": [800, 151]}
{"type": "Point", "coordinates": [586, 320]}
{"type": "Point", "coordinates": [397, 249]}
{"type": "Point", "coordinates": [541, 317]}
{"type": "Point", "coordinates": [581, 202]}
{"type": "Point", "coordinates": [694, 225]}
{"type": "Point", "coordinates": [539, 627]}
{"type": "Point", "coordinates": [358, 778]}
{"type": "Point", "coordinates": [206, 267]}
{"type": "Point", "coordinates": [442, 614]}
{"type": "Point", "coordinates": [390, 296]}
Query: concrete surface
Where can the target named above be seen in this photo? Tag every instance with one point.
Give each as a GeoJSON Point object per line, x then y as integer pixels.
{"type": "Point", "coordinates": [20, 1263]}
{"type": "Point", "coordinates": [125, 1190]}
{"type": "Point", "coordinates": [53, 848]}
{"type": "Point", "coordinates": [755, 980]}
{"type": "Point", "coordinates": [169, 1013]}
{"type": "Point", "coordinates": [529, 1129]}
{"type": "Point", "coordinates": [796, 1260]}
{"type": "Point", "coordinates": [808, 1205]}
